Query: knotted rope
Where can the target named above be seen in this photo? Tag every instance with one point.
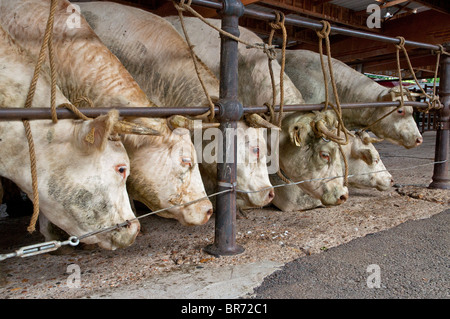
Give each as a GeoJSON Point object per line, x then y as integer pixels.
{"type": "Point", "coordinates": [278, 24]}
{"type": "Point", "coordinates": [433, 103]}
{"type": "Point", "coordinates": [47, 42]}
{"type": "Point", "coordinates": [324, 34]}
{"type": "Point", "coordinates": [433, 100]}
{"type": "Point", "coordinates": [185, 6]}
{"type": "Point", "coordinates": [28, 103]}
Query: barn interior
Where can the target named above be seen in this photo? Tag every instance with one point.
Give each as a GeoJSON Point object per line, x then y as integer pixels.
{"type": "Point", "coordinates": [419, 20]}
{"type": "Point", "coordinates": [173, 246]}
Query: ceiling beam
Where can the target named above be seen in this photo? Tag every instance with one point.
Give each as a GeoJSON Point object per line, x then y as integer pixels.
{"type": "Point", "coordinates": [167, 9]}
{"type": "Point", "coordinates": [328, 11]}
{"type": "Point", "coordinates": [389, 63]}
{"type": "Point", "coordinates": [392, 3]}
{"type": "Point", "coordinates": [320, 2]}
{"type": "Point", "coordinates": [413, 27]}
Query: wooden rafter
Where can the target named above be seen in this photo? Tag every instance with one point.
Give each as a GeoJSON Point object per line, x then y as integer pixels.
{"type": "Point", "coordinates": [319, 2]}
{"type": "Point", "coordinates": [413, 27]}
{"type": "Point", "coordinates": [328, 11]}
{"type": "Point", "coordinates": [392, 3]}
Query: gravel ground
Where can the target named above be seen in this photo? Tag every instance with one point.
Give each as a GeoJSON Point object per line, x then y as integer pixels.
{"type": "Point", "coordinates": [266, 234]}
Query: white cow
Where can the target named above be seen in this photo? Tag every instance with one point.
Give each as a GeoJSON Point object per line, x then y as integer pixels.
{"type": "Point", "coordinates": [297, 161]}
{"type": "Point", "coordinates": [159, 60]}
{"type": "Point", "coordinates": [365, 169]}
{"type": "Point", "coordinates": [304, 69]}
{"type": "Point", "coordinates": [160, 175]}
{"type": "Point", "coordinates": [81, 183]}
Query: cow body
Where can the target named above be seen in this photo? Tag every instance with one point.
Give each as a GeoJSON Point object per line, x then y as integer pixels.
{"type": "Point", "coordinates": [159, 60]}
{"type": "Point", "coordinates": [86, 68]}
{"type": "Point", "coordinates": [81, 184]}
{"type": "Point", "coordinates": [304, 69]}
{"type": "Point", "coordinates": [255, 88]}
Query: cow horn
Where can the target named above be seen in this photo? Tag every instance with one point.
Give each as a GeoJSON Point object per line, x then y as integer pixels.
{"type": "Point", "coordinates": [124, 127]}
{"type": "Point", "coordinates": [322, 128]}
{"type": "Point", "coordinates": [178, 121]}
{"type": "Point", "coordinates": [258, 121]}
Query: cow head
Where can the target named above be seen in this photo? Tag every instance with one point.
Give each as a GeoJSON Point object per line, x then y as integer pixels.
{"type": "Point", "coordinates": [165, 173]}
{"type": "Point", "coordinates": [82, 179]}
{"type": "Point", "coordinates": [364, 162]}
{"type": "Point", "coordinates": [399, 127]}
{"type": "Point", "coordinates": [252, 174]}
{"type": "Point", "coordinates": [305, 156]}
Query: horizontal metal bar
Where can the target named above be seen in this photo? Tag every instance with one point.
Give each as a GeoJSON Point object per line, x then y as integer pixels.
{"type": "Point", "coordinates": [62, 113]}
{"type": "Point", "coordinates": [319, 107]}
{"type": "Point", "coordinates": [318, 26]}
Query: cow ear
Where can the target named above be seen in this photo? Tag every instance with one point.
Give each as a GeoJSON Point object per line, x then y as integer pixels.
{"type": "Point", "coordinates": [93, 134]}
{"type": "Point", "coordinates": [367, 156]}
{"type": "Point", "coordinates": [298, 133]}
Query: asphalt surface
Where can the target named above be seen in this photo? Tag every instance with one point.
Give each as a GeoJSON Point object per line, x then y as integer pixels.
{"type": "Point", "coordinates": [409, 261]}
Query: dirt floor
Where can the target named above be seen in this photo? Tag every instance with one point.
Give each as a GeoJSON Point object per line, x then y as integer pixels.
{"type": "Point", "coordinates": [266, 234]}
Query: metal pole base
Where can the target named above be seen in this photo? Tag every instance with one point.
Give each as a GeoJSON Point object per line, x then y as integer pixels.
{"type": "Point", "coordinates": [439, 185]}
{"type": "Point", "coordinates": [217, 251]}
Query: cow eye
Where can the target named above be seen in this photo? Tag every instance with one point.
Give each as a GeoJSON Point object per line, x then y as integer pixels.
{"type": "Point", "coordinates": [255, 151]}
{"type": "Point", "coordinates": [121, 169]}
{"type": "Point", "coordinates": [400, 111]}
{"type": "Point", "coordinates": [325, 156]}
{"type": "Point", "coordinates": [186, 161]}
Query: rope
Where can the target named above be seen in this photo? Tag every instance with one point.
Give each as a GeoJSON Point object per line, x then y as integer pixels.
{"type": "Point", "coordinates": [433, 100]}
{"type": "Point", "coordinates": [211, 113]}
{"type": "Point", "coordinates": [277, 25]}
{"type": "Point", "coordinates": [46, 43]}
{"type": "Point", "coordinates": [269, 50]}
{"type": "Point", "coordinates": [324, 34]}
{"type": "Point", "coordinates": [32, 226]}
{"type": "Point", "coordinates": [187, 7]}
{"type": "Point", "coordinates": [28, 103]}
{"type": "Point", "coordinates": [271, 55]}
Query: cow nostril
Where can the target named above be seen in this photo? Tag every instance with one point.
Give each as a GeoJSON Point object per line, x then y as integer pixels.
{"type": "Point", "coordinates": [209, 212]}
{"type": "Point", "coordinates": [419, 140]}
{"type": "Point", "coordinates": [343, 198]}
{"type": "Point", "coordinates": [392, 182]}
{"type": "Point", "coordinates": [271, 194]}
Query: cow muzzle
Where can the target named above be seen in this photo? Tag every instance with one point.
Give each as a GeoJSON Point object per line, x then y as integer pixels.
{"type": "Point", "coordinates": [120, 238]}
{"type": "Point", "coordinates": [335, 196]}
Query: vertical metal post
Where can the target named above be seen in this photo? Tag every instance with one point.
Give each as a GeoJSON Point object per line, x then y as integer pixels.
{"type": "Point", "coordinates": [440, 173]}
{"type": "Point", "coordinates": [230, 111]}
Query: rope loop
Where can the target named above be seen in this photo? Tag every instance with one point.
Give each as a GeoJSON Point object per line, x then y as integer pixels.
{"type": "Point", "coordinates": [278, 23]}
{"type": "Point", "coordinates": [181, 5]}
{"type": "Point", "coordinates": [324, 34]}
{"type": "Point", "coordinates": [441, 50]}
{"type": "Point", "coordinates": [400, 45]}
{"type": "Point", "coordinates": [325, 31]}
